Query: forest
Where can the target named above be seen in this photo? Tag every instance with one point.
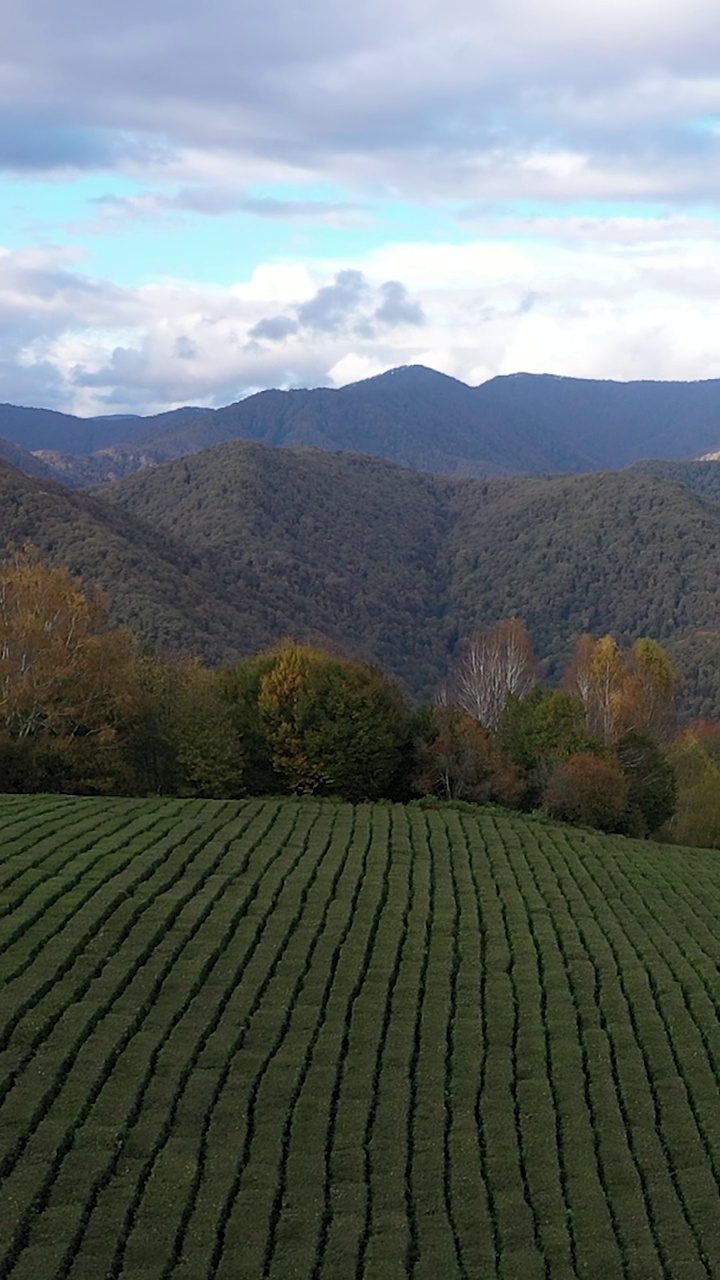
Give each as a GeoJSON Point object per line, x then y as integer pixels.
{"type": "Point", "coordinates": [85, 708]}
{"type": "Point", "coordinates": [226, 553]}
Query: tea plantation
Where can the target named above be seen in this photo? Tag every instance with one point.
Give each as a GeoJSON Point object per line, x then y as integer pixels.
{"type": "Point", "coordinates": [293, 1038]}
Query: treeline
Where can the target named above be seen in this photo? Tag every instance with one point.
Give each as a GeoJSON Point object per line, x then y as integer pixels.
{"type": "Point", "coordinates": [84, 709]}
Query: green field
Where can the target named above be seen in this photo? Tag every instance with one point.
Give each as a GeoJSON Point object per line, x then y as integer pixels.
{"type": "Point", "coordinates": [273, 1038]}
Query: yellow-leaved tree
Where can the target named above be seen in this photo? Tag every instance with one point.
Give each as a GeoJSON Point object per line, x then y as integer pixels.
{"type": "Point", "coordinates": [62, 672]}
{"type": "Point", "coordinates": [624, 692]}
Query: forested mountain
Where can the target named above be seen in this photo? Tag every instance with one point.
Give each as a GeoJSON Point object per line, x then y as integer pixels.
{"type": "Point", "coordinates": [702, 476]}
{"type": "Point", "coordinates": [609, 424]}
{"type": "Point", "coordinates": [225, 552]}
{"type": "Point", "coordinates": [40, 429]}
{"type": "Point", "coordinates": [156, 585]}
{"type": "Point", "coordinates": [523, 423]}
{"type": "Point", "coordinates": [25, 461]}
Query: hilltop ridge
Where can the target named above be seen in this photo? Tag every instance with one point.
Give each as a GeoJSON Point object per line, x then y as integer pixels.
{"type": "Point", "coordinates": [423, 419]}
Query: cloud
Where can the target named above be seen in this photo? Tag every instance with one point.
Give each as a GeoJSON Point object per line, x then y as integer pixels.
{"type": "Point", "coordinates": [274, 328]}
{"type": "Point", "coordinates": [624, 298]}
{"type": "Point", "coordinates": [41, 145]}
{"type": "Point", "coordinates": [332, 305]}
{"type": "Point", "coordinates": [337, 127]}
{"type": "Point", "coordinates": [397, 307]}
{"type": "Point", "coordinates": [349, 305]}
{"type": "Point", "coordinates": [507, 100]}
{"type": "Point", "coordinates": [216, 200]}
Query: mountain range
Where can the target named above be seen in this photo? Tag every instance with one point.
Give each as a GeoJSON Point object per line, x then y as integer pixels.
{"type": "Point", "coordinates": [522, 423]}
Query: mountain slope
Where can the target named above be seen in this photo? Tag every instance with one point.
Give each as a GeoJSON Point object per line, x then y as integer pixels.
{"type": "Point", "coordinates": [700, 477]}
{"type": "Point", "coordinates": [414, 416]}
{"type": "Point", "coordinates": [619, 552]}
{"type": "Point", "coordinates": [610, 424]}
{"type": "Point", "coordinates": [24, 460]}
{"type": "Point", "coordinates": [304, 542]}
{"type": "Point", "coordinates": [227, 551]}
{"type": "Point", "coordinates": [46, 429]}
{"type": "Point", "coordinates": [398, 565]}
{"type": "Point", "coordinates": [156, 585]}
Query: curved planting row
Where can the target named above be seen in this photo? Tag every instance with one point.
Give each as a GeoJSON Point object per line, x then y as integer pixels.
{"type": "Point", "coordinates": [270, 1039]}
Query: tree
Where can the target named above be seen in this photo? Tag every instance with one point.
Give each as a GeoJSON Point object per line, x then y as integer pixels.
{"type": "Point", "coordinates": [578, 677]}
{"type": "Point", "coordinates": [334, 726]}
{"type": "Point", "coordinates": [240, 686]}
{"type": "Point", "coordinates": [184, 738]}
{"type": "Point", "coordinates": [607, 677]}
{"type": "Point", "coordinates": [647, 699]}
{"type": "Point", "coordinates": [588, 790]}
{"type": "Point", "coordinates": [61, 670]}
{"type": "Point", "coordinates": [652, 785]}
{"type": "Point", "coordinates": [497, 662]}
{"type": "Point", "coordinates": [695, 756]}
{"type": "Point", "coordinates": [285, 709]}
{"type": "Point", "coordinates": [538, 731]}
{"type": "Point", "coordinates": [458, 760]}
{"type": "Point", "coordinates": [620, 692]}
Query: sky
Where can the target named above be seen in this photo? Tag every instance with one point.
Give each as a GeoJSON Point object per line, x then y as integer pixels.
{"type": "Point", "coordinates": [197, 202]}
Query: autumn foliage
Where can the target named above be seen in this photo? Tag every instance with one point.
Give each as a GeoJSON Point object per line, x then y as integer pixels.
{"type": "Point", "coordinates": [623, 692]}
{"type": "Point", "coordinates": [61, 669]}
{"type": "Point", "coordinates": [459, 760]}
{"type": "Point", "coordinates": [81, 709]}
{"type": "Point", "coordinates": [588, 790]}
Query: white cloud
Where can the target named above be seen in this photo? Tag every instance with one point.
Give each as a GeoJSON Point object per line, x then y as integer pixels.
{"type": "Point", "coordinates": [621, 298]}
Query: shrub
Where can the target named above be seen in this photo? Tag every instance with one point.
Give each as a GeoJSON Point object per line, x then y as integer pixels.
{"type": "Point", "coordinates": [589, 790]}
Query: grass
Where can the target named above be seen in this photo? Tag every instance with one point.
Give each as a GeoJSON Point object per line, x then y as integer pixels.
{"type": "Point", "coordinates": [280, 1039]}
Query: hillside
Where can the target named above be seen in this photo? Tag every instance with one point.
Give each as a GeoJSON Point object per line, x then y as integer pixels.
{"type": "Point", "coordinates": [399, 565]}
{"type": "Point", "coordinates": [26, 461]}
{"type": "Point", "coordinates": [414, 416]}
{"type": "Point", "coordinates": [281, 1038]}
{"type": "Point", "coordinates": [156, 585]}
{"type": "Point", "coordinates": [226, 552]}
{"type": "Point", "coordinates": [609, 424]}
{"type": "Point", "coordinates": [342, 548]}
{"type": "Point", "coordinates": [701, 476]}
{"type": "Point", "coordinates": [41, 429]}
{"type": "Point", "coordinates": [523, 423]}
{"type": "Point", "coordinates": [622, 552]}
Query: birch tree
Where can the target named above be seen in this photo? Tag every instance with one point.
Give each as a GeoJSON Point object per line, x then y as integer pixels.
{"type": "Point", "coordinates": [497, 662]}
{"type": "Point", "coordinates": [622, 693]}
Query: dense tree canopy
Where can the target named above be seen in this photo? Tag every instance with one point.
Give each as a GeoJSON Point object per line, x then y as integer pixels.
{"type": "Point", "coordinates": [226, 553]}
{"type": "Point", "coordinates": [335, 727]}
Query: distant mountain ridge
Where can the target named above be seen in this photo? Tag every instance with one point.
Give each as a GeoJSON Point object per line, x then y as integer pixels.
{"type": "Point", "coordinates": [516, 424]}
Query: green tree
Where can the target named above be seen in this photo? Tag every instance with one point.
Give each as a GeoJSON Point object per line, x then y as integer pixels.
{"type": "Point", "coordinates": [334, 726]}
{"type": "Point", "coordinates": [652, 784]}
{"type": "Point", "coordinates": [185, 739]}
{"type": "Point", "coordinates": [538, 731]}
{"type": "Point", "coordinates": [240, 686]}
{"type": "Point", "coordinates": [695, 757]}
